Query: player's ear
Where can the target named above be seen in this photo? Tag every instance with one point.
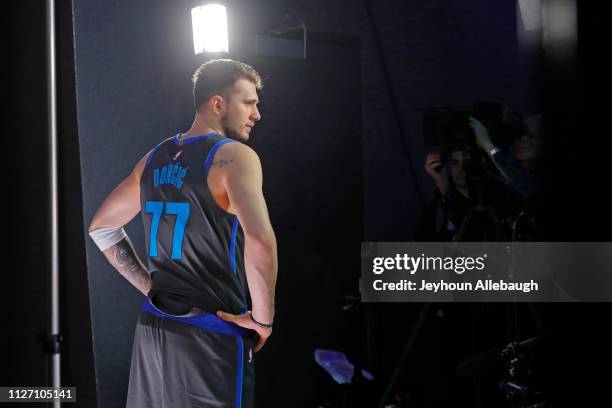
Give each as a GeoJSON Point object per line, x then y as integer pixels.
{"type": "Point", "coordinates": [217, 104]}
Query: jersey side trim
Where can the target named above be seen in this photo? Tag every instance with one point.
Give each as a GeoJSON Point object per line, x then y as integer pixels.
{"type": "Point", "coordinates": [232, 254]}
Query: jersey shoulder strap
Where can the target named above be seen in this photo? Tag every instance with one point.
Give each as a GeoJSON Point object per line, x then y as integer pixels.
{"type": "Point", "coordinates": [210, 157]}
{"type": "Point", "coordinates": [152, 153]}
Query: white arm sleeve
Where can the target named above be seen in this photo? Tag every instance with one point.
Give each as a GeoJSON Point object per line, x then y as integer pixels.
{"type": "Point", "coordinates": [107, 237]}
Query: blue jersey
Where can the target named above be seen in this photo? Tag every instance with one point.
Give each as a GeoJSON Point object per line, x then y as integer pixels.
{"type": "Point", "coordinates": [195, 248]}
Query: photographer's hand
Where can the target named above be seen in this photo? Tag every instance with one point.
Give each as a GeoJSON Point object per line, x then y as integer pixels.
{"type": "Point", "coordinates": [433, 166]}
{"type": "Point", "coordinates": [482, 135]}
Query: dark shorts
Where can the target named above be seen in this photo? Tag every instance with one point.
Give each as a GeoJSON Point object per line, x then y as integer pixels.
{"type": "Point", "coordinates": [180, 365]}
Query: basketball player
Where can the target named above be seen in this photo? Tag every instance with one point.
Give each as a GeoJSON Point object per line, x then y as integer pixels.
{"type": "Point", "coordinates": [212, 261]}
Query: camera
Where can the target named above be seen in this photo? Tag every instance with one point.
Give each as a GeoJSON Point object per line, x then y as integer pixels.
{"type": "Point", "coordinates": [444, 127]}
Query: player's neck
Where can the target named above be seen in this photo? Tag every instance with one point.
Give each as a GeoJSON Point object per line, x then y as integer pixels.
{"type": "Point", "coordinates": [200, 127]}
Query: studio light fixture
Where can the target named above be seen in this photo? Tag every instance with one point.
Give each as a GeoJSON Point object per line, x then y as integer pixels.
{"type": "Point", "coordinates": [209, 28]}
{"type": "Point", "coordinates": [531, 14]}
{"type": "Point", "coordinates": [560, 28]}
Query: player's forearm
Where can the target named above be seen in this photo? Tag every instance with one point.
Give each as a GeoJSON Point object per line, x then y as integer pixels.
{"type": "Point", "coordinates": [261, 263]}
{"type": "Point", "coordinates": [125, 260]}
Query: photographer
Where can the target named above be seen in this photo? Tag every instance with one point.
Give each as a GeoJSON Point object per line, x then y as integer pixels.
{"type": "Point", "coordinates": [469, 204]}
{"type": "Point", "coordinates": [435, 224]}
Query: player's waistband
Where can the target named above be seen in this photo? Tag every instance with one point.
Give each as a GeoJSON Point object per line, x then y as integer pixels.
{"type": "Point", "coordinates": [206, 321]}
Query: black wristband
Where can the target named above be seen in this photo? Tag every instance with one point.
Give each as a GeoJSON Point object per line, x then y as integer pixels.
{"type": "Point", "coordinates": [262, 325]}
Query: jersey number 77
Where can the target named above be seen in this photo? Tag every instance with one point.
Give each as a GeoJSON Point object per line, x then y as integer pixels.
{"type": "Point", "coordinates": [181, 211]}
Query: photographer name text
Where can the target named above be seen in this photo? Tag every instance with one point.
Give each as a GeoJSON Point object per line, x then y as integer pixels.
{"type": "Point", "coordinates": [443, 286]}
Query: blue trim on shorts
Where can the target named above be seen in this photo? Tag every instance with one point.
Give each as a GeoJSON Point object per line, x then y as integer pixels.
{"type": "Point", "coordinates": [206, 321]}
{"type": "Point", "coordinates": [213, 151]}
{"type": "Point", "coordinates": [239, 375]}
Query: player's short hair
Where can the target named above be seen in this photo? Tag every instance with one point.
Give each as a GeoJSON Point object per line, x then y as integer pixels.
{"type": "Point", "coordinates": [218, 76]}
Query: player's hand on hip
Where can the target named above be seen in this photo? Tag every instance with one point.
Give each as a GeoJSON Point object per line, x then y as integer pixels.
{"type": "Point", "coordinates": [244, 320]}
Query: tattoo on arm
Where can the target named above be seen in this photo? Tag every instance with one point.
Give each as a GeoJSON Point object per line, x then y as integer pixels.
{"type": "Point", "coordinates": [222, 162]}
{"type": "Point", "coordinates": [123, 257]}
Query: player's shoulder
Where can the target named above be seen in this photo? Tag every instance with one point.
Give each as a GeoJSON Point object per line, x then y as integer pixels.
{"type": "Point", "coordinates": [239, 151]}
{"type": "Point", "coordinates": [149, 155]}
{"type": "Point", "coordinates": [236, 159]}
{"type": "Point", "coordinates": [144, 160]}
